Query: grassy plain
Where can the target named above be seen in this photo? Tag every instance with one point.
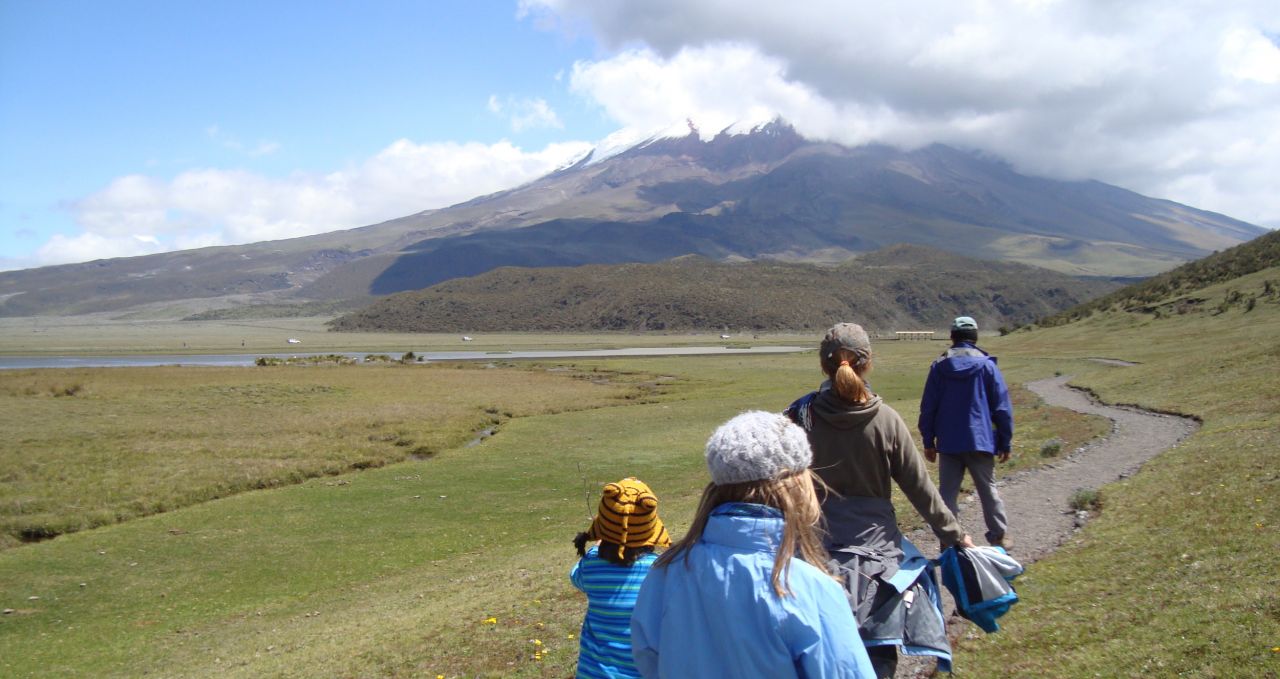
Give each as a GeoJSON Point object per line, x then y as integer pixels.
{"type": "Point", "coordinates": [90, 447]}
{"type": "Point", "coordinates": [389, 571]}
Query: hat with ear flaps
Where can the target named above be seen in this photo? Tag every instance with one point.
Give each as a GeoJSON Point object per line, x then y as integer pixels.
{"type": "Point", "coordinates": [628, 517]}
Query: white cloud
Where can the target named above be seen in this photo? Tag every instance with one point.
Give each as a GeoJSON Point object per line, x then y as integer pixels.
{"type": "Point", "coordinates": [1250, 55]}
{"type": "Point", "coordinates": [89, 245]}
{"type": "Point", "coordinates": [525, 114]}
{"type": "Point", "coordinates": [1174, 100]}
{"type": "Point", "coordinates": [137, 215]}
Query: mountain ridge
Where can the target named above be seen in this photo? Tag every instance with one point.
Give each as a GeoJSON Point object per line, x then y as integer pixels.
{"type": "Point", "coordinates": [762, 193]}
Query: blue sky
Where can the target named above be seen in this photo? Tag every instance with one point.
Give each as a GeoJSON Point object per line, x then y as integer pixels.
{"type": "Point", "coordinates": [92, 91]}
{"type": "Point", "coordinates": [136, 127]}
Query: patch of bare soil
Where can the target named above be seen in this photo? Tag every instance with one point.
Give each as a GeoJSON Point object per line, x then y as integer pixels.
{"type": "Point", "coordinates": [1038, 501]}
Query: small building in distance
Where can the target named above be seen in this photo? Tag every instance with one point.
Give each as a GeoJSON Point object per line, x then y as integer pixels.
{"type": "Point", "coordinates": [914, 334]}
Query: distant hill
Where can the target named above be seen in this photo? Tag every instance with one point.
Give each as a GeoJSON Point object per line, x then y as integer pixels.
{"type": "Point", "coordinates": [1178, 291]}
{"type": "Point", "coordinates": [761, 193]}
{"type": "Point", "coordinates": [901, 287]}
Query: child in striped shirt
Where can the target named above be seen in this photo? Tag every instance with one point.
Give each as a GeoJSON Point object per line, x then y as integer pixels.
{"type": "Point", "coordinates": [628, 529]}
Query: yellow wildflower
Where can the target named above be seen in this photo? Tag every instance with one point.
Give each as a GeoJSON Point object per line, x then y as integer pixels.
{"type": "Point", "coordinates": [490, 621]}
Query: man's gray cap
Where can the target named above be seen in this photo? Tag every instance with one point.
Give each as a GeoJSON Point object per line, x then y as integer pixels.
{"type": "Point", "coordinates": [849, 336]}
{"type": "Point", "coordinates": [757, 445]}
{"type": "Point", "coordinates": [964, 323]}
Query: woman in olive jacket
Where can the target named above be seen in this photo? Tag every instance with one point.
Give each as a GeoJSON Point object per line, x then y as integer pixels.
{"type": "Point", "coordinates": [861, 447]}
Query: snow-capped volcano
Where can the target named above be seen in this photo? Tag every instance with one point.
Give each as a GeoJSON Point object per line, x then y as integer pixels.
{"type": "Point", "coordinates": [744, 190]}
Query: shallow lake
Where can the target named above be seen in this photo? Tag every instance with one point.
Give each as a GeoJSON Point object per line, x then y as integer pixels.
{"type": "Point", "coordinates": [27, 362]}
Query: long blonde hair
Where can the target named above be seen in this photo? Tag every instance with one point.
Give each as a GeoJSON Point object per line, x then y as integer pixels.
{"type": "Point", "coordinates": [846, 368]}
{"type": "Point", "coordinates": [794, 495]}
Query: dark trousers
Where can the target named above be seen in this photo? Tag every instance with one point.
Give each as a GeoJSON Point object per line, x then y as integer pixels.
{"type": "Point", "coordinates": [982, 469]}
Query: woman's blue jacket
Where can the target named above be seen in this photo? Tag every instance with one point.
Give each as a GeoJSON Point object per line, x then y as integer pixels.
{"type": "Point", "coordinates": [716, 614]}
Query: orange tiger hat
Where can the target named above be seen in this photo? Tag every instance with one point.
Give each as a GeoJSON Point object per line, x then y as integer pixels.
{"type": "Point", "coordinates": [628, 517]}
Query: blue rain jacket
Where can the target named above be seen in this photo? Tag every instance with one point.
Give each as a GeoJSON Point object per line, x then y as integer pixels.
{"type": "Point", "coordinates": [716, 614]}
{"type": "Point", "coordinates": [980, 580]}
{"type": "Point", "coordinates": [965, 407]}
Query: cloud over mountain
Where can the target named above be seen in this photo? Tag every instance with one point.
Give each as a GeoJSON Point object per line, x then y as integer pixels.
{"type": "Point", "coordinates": [1180, 101]}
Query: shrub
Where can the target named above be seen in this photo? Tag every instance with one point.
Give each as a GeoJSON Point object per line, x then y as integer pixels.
{"type": "Point", "coordinates": [1086, 499]}
{"type": "Point", "coordinates": [1051, 448]}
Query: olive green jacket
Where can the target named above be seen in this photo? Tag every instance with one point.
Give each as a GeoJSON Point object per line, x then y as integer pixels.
{"type": "Point", "coordinates": [859, 449]}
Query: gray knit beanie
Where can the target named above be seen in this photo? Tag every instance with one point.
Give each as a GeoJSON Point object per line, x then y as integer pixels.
{"type": "Point", "coordinates": [756, 445]}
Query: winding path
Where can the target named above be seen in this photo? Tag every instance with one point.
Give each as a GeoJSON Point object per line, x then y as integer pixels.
{"type": "Point", "coordinates": [1038, 500]}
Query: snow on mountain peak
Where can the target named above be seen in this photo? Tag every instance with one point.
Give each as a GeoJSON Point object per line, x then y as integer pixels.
{"type": "Point", "coordinates": [629, 138]}
{"type": "Point", "coordinates": [753, 124]}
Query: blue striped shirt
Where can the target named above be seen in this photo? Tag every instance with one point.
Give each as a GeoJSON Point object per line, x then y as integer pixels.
{"type": "Point", "coordinates": [605, 648]}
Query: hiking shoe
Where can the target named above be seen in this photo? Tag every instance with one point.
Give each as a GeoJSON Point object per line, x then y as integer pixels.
{"type": "Point", "coordinates": [1004, 542]}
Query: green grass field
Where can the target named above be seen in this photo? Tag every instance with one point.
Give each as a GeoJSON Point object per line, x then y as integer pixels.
{"type": "Point", "coordinates": [90, 447]}
{"type": "Point", "coordinates": [455, 564]}
{"type": "Point", "coordinates": [233, 540]}
{"type": "Point", "coordinates": [388, 571]}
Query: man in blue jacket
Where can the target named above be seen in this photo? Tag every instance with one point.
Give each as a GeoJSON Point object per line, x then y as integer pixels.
{"type": "Point", "coordinates": [965, 414]}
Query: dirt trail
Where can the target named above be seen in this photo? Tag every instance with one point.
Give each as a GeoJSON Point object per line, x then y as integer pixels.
{"type": "Point", "coordinates": [1038, 501]}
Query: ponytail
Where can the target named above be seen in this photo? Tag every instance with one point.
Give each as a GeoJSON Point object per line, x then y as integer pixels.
{"type": "Point", "coordinates": [846, 376]}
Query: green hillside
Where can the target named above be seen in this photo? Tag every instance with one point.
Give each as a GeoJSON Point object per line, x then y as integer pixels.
{"type": "Point", "coordinates": [1178, 291]}
{"type": "Point", "coordinates": [898, 287]}
{"type": "Point", "coordinates": [1177, 574]}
